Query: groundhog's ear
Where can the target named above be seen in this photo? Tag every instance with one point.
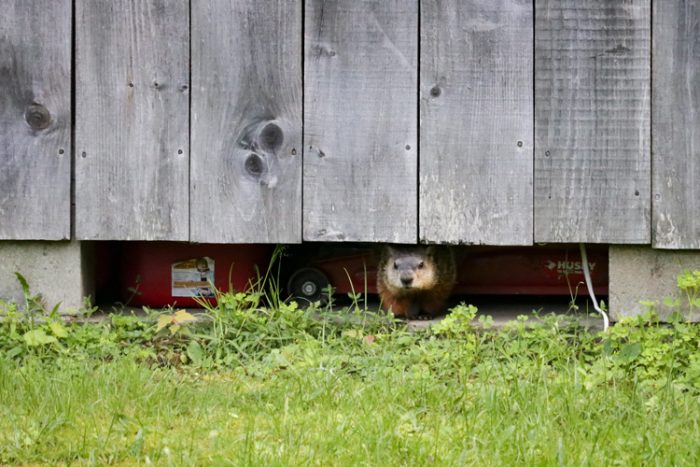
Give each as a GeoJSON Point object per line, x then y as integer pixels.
{"type": "Point", "coordinates": [430, 250]}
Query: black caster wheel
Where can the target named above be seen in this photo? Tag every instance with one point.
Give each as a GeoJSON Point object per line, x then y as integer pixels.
{"type": "Point", "coordinates": [308, 285]}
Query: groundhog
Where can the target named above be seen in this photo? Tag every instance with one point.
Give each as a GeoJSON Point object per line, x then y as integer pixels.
{"type": "Point", "coordinates": [415, 281]}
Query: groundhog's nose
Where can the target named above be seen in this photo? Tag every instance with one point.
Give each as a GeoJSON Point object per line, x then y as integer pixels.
{"type": "Point", "coordinates": [406, 280]}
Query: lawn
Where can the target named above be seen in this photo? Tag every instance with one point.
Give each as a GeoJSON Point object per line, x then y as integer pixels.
{"type": "Point", "coordinates": [275, 385]}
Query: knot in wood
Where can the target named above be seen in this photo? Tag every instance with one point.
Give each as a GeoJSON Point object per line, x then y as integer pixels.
{"type": "Point", "coordinates": [254, 165]}
{"type": "Point", "coordinates": [271, 137]}
{"type": "Point", "coordinates": [37, 116]}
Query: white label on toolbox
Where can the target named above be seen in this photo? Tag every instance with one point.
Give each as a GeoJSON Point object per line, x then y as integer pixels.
{"type": "Point", "coordinates": [193, 278]}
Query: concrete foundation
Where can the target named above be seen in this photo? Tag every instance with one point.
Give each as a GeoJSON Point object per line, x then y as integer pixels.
{"type": "Point", "coordinates": [62, 272]}
{"type": "Point", "coordinates": [640, 273]}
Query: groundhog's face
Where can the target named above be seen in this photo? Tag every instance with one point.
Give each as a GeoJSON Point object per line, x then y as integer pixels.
{"type": "Point", "coordinates": [412, 270]}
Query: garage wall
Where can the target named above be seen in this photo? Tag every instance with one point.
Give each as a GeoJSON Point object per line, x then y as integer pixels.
{"type": "Point", "coordinates": [479, 122]}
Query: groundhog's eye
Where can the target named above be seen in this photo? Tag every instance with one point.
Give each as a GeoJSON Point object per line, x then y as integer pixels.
{"type": "Point", "coordinates": [420, 265]}
{"type": "Point", "coordinates": [396, 265]}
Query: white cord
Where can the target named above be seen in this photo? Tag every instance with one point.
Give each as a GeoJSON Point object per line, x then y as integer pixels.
{"type": "Point", "coordinates": [589, 286]}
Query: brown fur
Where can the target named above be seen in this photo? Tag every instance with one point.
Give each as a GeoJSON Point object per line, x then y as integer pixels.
{"type": "Point", "coordinates": [416, 280]}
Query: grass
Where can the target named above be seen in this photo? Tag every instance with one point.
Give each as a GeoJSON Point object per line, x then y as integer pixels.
{"type": "Point", "coordinates": [123, 412]}
{"type": "Point", "coordinates": [275, 385]}
{"type": "Point", "coordinates": [399, 399]}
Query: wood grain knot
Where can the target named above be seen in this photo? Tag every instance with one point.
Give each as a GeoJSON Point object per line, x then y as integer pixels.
{"type": "Point", "coordinates": [37, 116]}
{"type": "Point", "coordinates": [254, 165]}
{"type": "Point", "coordinates": [271, 137]}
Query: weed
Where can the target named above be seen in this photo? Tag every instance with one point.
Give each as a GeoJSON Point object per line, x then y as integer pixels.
{"type": "Point", "coordinates": [457, 323]}
{"type": "Point", "coordinates": [689, 283]}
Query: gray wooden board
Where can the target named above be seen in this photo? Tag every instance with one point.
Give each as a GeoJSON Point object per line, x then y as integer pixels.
{"type": "Point", "coordinates": [476, 122]}
{"type": "Point", "coordinates": [676, 124]}
{"type": "Point", "coordinates": [592, 106]}
{"type": "Point", "coordinates": [360, 120]}
{"type": "Point", "coordinates": [35, 119]}
{"type": "Point", "coordinates": [132, 117]}
{"type": "Point", "coordinates": [246, 121]}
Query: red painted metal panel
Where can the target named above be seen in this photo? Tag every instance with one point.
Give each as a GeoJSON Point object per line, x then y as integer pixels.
{"type": "Point", "coordinates": [148, 268]}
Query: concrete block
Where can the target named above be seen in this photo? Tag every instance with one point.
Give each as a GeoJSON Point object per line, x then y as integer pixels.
{"type": "Point", "coordinates": [62, 272]}
{"type": "Point", "coordinates": [640, 273]}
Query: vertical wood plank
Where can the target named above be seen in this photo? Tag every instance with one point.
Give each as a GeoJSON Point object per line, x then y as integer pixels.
{"type": "Point", "coordinates": [246, 121]}
{"type": "Point", "coordinates": [132, 120]}
{"type": "Point", "coordinates": [35, 119]}
{"type": "Point", "coordinates": [476, 121]}
{"type": "Point", "coordinates": [676, 124]}
{"type": "Point", "coordinates": [360, 120]}
{"type": "Point", "coordinates": [592, 106]}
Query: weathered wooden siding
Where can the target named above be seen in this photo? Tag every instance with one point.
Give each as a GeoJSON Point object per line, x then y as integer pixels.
{"type": "Point", "coordinates": [592, 106]}
{"type": "Point", "coordinates": [35, 119]}
{"type": "Point", "coordinates": [676, 124]}
{"type": "Point", "coordinates": [360, 120]}
{"type": "Point", "coordinates": [337, 157]}
{"type": "Point", "coordinates": [132, 118]}
{"type": "Point", "coordinates": [246, 121]}
{"type": "Point", "coordinates": [476, 136]}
